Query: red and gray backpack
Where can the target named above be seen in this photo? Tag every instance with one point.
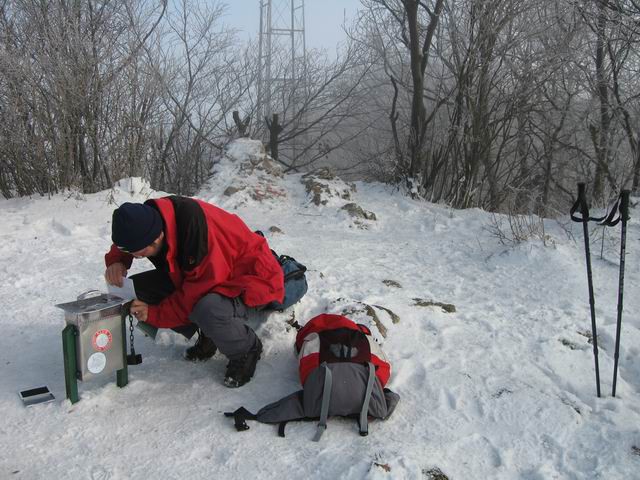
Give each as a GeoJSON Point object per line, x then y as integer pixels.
{"type": "Point", "coordinates": [343, 372]}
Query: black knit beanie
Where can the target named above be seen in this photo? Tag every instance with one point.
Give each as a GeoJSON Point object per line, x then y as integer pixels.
{"type": "Point", "coordinates": [135, 226]}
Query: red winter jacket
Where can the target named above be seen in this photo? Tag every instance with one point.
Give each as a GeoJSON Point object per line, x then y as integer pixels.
{"type": "Point", "coordinates": [208, 250]}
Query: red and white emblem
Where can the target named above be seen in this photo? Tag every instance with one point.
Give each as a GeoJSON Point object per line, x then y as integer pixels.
{"type": "Point", "coordinates": [101, 340]}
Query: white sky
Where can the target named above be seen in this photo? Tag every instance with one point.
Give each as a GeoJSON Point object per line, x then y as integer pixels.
{"type": "Point", "coordinates": [323, 19]}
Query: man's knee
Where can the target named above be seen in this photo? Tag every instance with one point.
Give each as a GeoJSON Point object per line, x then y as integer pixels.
{"type": "Point", "coordinates": [222, 319]}
{"type": "Point", "coordinates": [215, 308]}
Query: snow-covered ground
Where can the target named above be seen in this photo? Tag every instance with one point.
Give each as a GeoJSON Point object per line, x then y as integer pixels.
{"type": "Point", "coordinates": [501, 388]}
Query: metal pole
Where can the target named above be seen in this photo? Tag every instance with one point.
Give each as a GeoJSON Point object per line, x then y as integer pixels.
{"type": "Point", "coordinates": [294, 85]}
{"type": "Point", "coordinates": [304, 72]}
{"type": "Point", "coordinates": [304, 54]}
{"type": "Point", "coordinates": [624, 212]}
{"type": "Point", "coordinates": [584, 210]}
{"type": "Point", "coordinates": [268, 80]}
{"type": "Point", "coordinates": [70, 356]}
{"type": "Point", "coordinates": [260, 106]}
{"type": "Point", "coordinates": [293, 45]}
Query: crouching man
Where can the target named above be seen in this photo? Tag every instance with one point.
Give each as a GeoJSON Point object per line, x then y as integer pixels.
{"type": "Point", "coordinates": [210, 271]}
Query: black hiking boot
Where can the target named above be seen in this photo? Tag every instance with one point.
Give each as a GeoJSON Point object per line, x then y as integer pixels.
{"type": "Point", "coordinates": [203, 349]}
{"type": "Point", "coordinates": [241, 370]}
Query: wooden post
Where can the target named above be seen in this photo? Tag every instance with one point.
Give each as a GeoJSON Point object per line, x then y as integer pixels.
{"type": "Point", "coordinates": [242, 125]}
{"type": "Point", "coordinates": [274, 130]}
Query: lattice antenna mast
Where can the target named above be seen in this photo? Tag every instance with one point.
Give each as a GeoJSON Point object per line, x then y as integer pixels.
{"type": "Point", "coordinates": [282, 59]}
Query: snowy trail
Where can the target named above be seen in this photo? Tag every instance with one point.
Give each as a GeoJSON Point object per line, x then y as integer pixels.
{"type": "Point", "coordinates": [502, 388]}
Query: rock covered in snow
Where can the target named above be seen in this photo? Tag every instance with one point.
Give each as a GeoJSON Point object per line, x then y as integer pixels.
{"type": "Point", "coordinates": [376, 317]}
{"type": "Point", "coordinates": [324, 187]}
{"type": "Point", "coordinates": [134, 186]}
{"type": "Point", "coordinates": [357, 211]}
{"type": "Point", "coordinates": [252, 157]}
{"type": "Point", "coordinates": [246, 173]}
{"type": "Point", "coordinates": [132, 189]}
{"type": "Point", "coordinates": [244, 149]}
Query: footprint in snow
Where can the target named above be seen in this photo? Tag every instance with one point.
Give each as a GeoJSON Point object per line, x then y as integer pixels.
{"type": "Point", "coordinates": [98, 472]}
{"type": "Point", "coordinates": [488, 455]}
{"type": "Point", "coordinates": [60, 228]}
{"type": "Point", "coordinates": [448, 399]}
{"type": "Point", "coordinates": [628, 365]}
{"type": "Point", "coordinates": [409, 372]}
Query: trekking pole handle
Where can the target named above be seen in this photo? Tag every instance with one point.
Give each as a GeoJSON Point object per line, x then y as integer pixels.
{"type": "Point", "coordinates": [582, 198]}
{"type": "Point", "coordinates": [582, 189]}
{"type": "Point", "coordinates": [580, 204]}
{"type": "Point", "coordinates": [624, 205]}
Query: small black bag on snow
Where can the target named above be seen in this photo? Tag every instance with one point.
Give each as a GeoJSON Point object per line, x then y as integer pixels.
{"type": "Point", "coordinates": [343, 372]}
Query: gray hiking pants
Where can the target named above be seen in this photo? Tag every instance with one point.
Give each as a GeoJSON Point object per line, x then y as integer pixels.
{"type": "Point", "coordinates": [220, 318]}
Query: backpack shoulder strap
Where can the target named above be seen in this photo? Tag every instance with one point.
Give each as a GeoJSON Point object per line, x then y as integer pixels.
{"type": "Point", "coordinates": [364, 412]}
{"type": "Point", "coordinates": [326, 398]}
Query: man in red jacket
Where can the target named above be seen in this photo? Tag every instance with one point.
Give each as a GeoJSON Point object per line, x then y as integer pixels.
{"type": "Point", "coordinates": [211, 270]}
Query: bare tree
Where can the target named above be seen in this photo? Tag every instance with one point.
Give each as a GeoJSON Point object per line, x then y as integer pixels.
{"type": "Point", "coordinates": [192, 62]}
{"type": "Point", "coordinates": [413, 23]}
{"type": "Point", "coordinates": [62, 61]}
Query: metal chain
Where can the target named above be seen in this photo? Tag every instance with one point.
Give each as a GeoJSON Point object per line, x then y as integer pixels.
{"type": "Point", "coordinates": [131, 333]}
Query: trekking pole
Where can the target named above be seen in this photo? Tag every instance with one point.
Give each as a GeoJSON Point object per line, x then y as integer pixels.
{"type": "Point", "coordinates": [581, 204]}
{"type": "Point", "coordinates": [624, 215]}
